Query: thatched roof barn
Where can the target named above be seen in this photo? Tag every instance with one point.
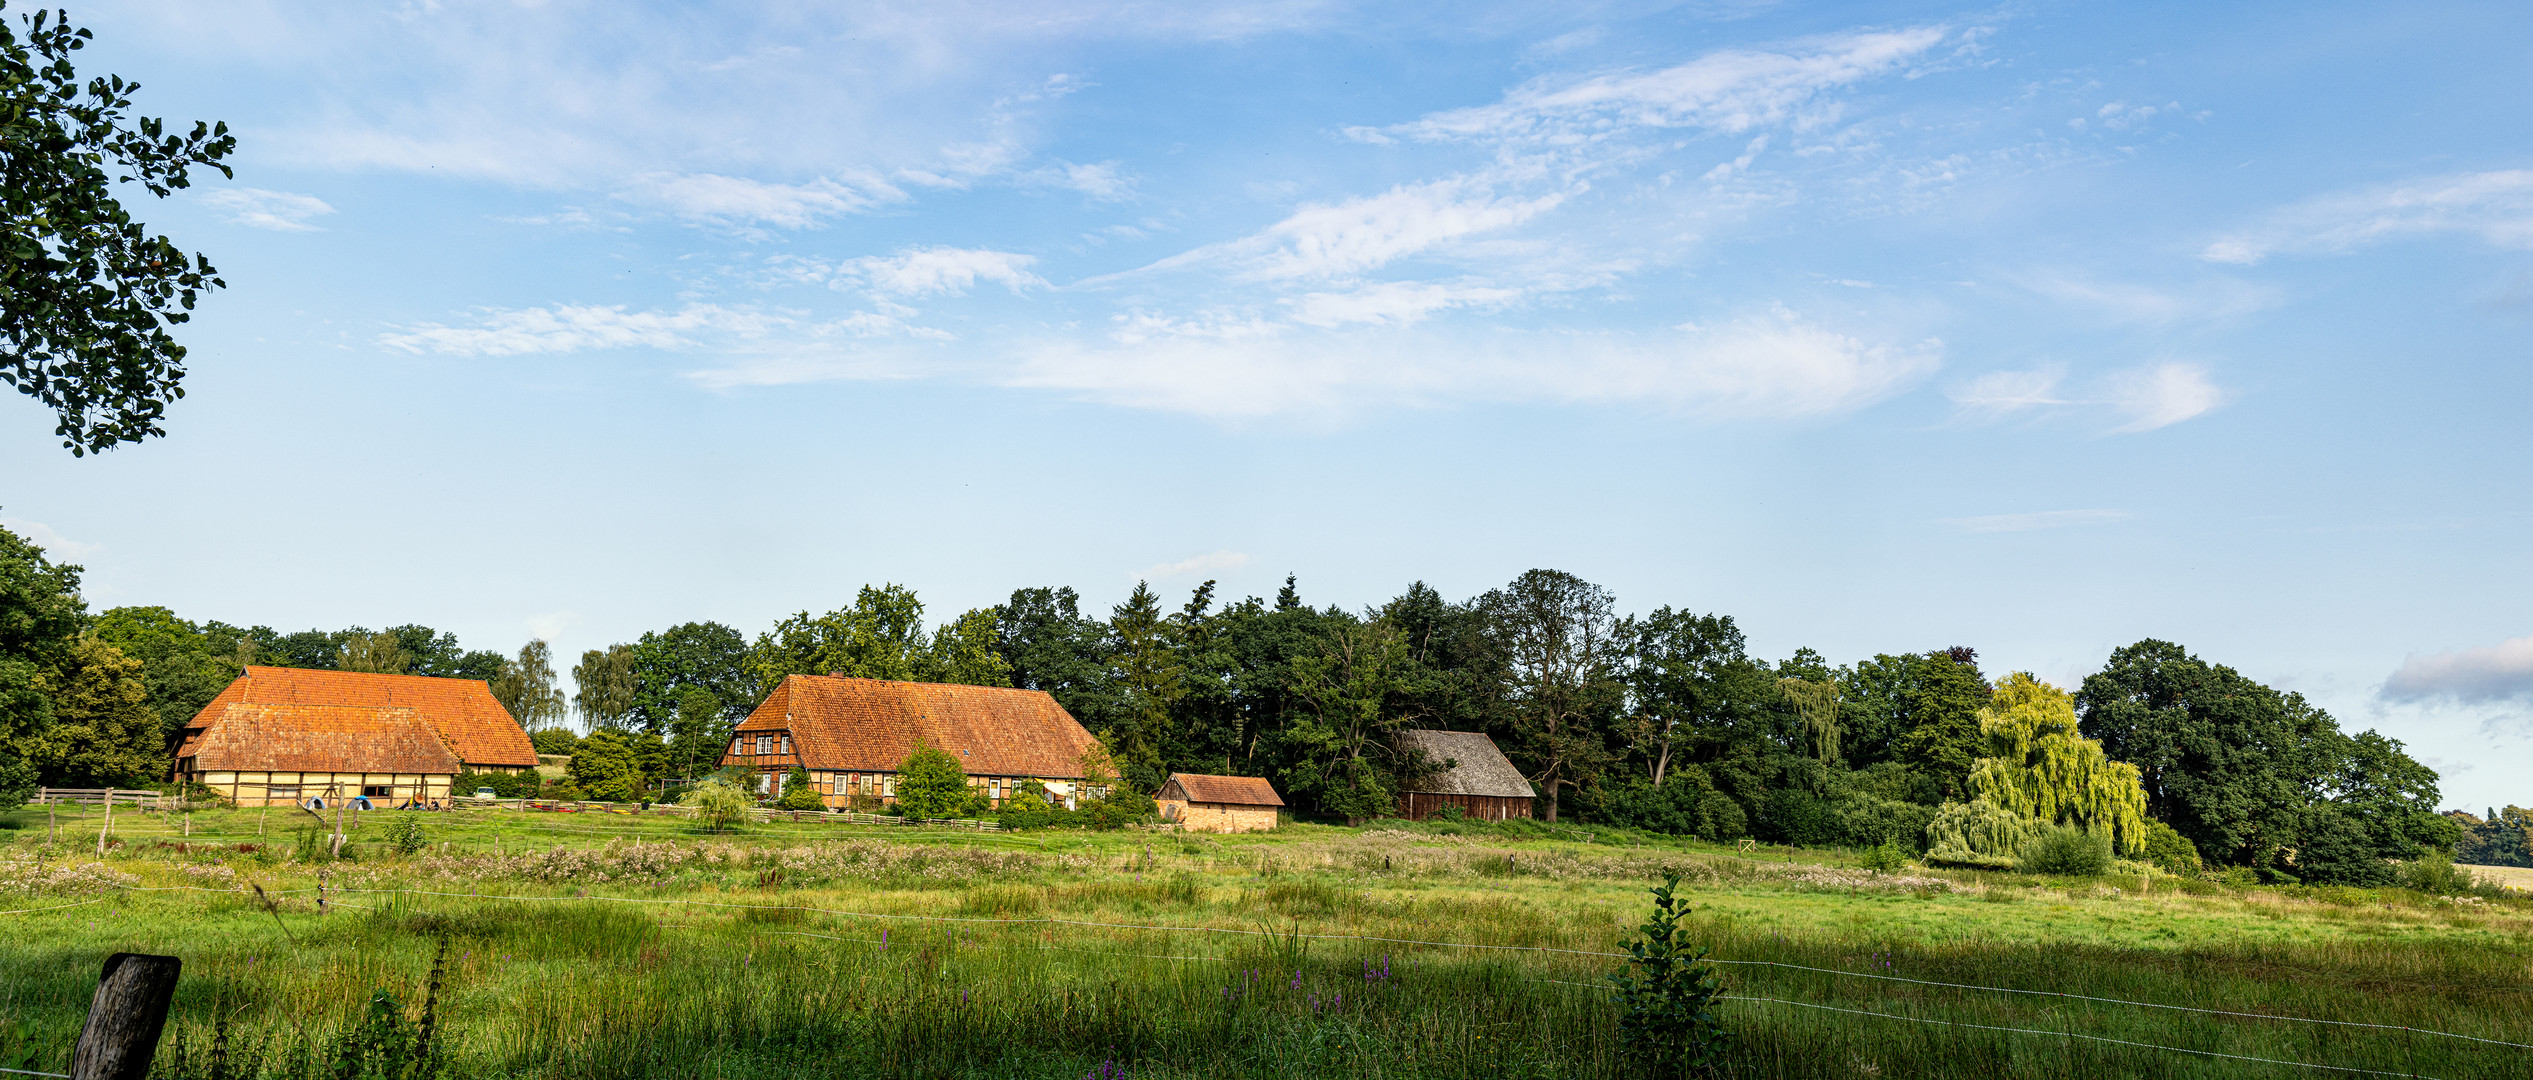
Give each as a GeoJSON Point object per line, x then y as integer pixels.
{"type": "Point", "coordinates": [852, 734]}
{"type": "Point", "coordinates": [1479, 780]}
{"type": "Point", "coordinates": [278, 736]}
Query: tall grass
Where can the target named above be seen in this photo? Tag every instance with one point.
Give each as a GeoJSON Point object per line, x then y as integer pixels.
{"type": "Point", "coordinates": [567, 987]}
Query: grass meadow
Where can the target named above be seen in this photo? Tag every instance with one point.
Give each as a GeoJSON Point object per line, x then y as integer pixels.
{"type": "Point", "coordinates": [597, 947]}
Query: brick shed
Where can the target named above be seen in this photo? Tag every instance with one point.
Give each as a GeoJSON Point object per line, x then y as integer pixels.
{"type": "Point", "coordinates": [1218, 803]}
{"type": "Point", "coordinates": [852, 734]}
{"type": "Point", "coordinates": [279, 736]}
{"type": "Point", "coordinates": [1480, 780]}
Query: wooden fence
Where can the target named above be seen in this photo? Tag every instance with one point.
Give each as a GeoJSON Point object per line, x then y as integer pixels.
{"type": "Point", "coordinates": [65, 796]}
{"type": "Point", "coordinates": [802, 817]}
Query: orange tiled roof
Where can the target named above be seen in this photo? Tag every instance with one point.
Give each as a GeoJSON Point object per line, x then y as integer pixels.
{"type": "Point", "coordinates": [870, 725]}
{"type": "Point", "coordinates": [316, 738]}
{"type": "Point", "coordinates": [1236, 790]}
{"type": "Point", "coordinates": [463, 711]}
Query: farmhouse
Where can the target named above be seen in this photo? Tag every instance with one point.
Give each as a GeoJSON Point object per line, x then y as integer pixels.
{"type": "Point", "coordinates": [1480, 781]}
{"type": "Point", "coordinates": [278, 736]}
{"type": "Point", "coordinates": [1218, 803]}
{"type": "Point", "coordinates": [851, 735]}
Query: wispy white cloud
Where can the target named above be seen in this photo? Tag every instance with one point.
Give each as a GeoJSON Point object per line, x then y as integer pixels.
{"type": "Point", "coordinates": [1392, 303]}
{"type": "Point", "coordinates": [551, 625]}
{"type": "Point", "coordinates": [2150, 397]}
{"type": "Point", "coordinates": [2128, 302]}
{"type": "Point", "coordinates": [1774, 366]}
{"type": "Point", "coordinates": [280, 211]}
{"type": "Point", "coordinates": [2504, 670]}
{"type": "Point", "coordinates": [737, 200]}
{"type": "Point", "coordinates": [2028, 522]}
{"type": "Point", "coordinates": [936, 270]}
{"type": "Point", "coordinates": [2162, 396]}
{"type": "Point", "coordinates": [1999, 393]}
{"type": "Point", "coordinates": [58, 547]}
{"type": "Point", "coordinates": [1728, 91]}
{"type": "Point", "coordinates": [1209, 562]}
{"type": "Point", "coordinates": [2496, 207]}
{"type": "Point", "coordinates": [1355, 235]}
{"type": "Point", "coordinates": [564, 328]}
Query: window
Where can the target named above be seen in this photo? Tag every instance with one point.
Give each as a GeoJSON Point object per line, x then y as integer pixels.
{"type": "Point", "coordinates": [735, 746]}
{"type": "Point", "coordinates": [764, 744]}
{"type": "Point", "coordinates": [787, 742]}
{"type": "Point", "coordinates": [285, 792]}
{"type": "Point", "coordinates": [377, 791]}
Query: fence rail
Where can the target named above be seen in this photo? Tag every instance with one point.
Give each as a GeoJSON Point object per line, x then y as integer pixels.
{"type": "Point", "coordinates": [802, 817]}
{"type": "Point", "coordinates": [64, 796]}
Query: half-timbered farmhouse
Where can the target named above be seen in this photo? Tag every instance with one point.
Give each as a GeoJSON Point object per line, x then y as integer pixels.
{"type": "Point", "coordinates": [279, 736]}
{"type": "Point", "coordinates": [1480, 781]}
{"type": "Point", "coordinates": [852, 734]}
{"type": "Point", "coordinates": [1218, 803]}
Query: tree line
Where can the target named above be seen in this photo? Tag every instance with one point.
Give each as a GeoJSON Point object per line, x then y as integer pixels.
{"type": "Point", "coordinates": [1660, 720]}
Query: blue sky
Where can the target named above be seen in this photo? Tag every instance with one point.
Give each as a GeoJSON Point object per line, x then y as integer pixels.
{"type": "Point", "coordinates": [2040, 328]}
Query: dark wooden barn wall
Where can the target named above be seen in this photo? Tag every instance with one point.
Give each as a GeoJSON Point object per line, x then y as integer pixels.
{"type": "Point", "coordinates": [1418, 805]}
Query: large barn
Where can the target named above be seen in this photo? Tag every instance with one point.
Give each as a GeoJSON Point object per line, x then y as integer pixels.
{"type": "Point", "coordinates": [280, 736]}
{"type": "Point", "coordinates": [1480, 781]}
{"type": "Point", "coordinates": [852, 734]}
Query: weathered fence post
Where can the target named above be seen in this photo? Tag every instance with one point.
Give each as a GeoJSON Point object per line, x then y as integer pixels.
{"type": "Point", "coordinates": [102, 830]}
{"type": "Point", "coordinates": [125, 1018]}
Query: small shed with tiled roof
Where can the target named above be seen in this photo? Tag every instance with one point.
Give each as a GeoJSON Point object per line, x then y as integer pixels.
{"type": "Point", "coordinates": [1474, 775]}
{"type": "Point", "coordinates": [278, 736]}
{"type": "Point", "coordinates": [851, 735]}
{"type": "Point", "coordinates": [1201, 803]}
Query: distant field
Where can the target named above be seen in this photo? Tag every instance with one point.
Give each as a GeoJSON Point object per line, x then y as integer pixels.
{"type": "Point", "coordinates": [2513, 877]}
{"type": "Point", "coordinates": [598, 946]}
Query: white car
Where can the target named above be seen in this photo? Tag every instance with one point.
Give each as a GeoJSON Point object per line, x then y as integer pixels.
{"type": "Point", "coordinates": [483, 793]}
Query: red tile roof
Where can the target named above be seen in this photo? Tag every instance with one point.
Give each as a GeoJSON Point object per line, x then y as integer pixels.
{"type": "Point", "coordinates": [1236, 790]}
{"type": "Point", "coordinates": [463, 711]}
{"type": "Point", "coordinates": [870, 725]}
{"type": "Point", "coordinates": [316, 738]}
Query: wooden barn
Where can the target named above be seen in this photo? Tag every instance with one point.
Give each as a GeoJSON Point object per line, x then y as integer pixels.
{"type": "Point", "coordinates": [852, 734]}
{"type": "Point", "coordinates": [280, 736]}
{"type": "Point", "coordinates": [1480, 781]}
{"type": "Point", "coordinates": [1218, 803]}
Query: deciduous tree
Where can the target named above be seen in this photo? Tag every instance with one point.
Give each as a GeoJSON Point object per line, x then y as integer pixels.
{"type": "Point", "coordinates": [1554, 632]}
{"type": "Point", "coordinates": [103, 733]}
{"type": "Point", "coordinates": [40, 618]}
{"type": "Point", "coordinates": [2040, 767]}
{"type": "Point", "coordinates": [86, 293]}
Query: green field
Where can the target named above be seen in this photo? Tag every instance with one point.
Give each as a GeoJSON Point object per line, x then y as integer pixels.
{"type": "Point", "coordinates": [601, 946]}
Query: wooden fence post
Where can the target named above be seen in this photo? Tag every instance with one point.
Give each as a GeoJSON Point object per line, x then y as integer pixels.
{"type": "Point", "coordinates": [108, 826]}
{"type": "Point", "coordinates": [125, 1018]}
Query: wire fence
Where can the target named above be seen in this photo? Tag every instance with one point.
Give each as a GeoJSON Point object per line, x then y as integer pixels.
{"type": "Point", "coordinates": [1050, 921]}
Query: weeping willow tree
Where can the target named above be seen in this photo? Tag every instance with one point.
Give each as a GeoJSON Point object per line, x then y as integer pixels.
{"type": "Point", "coordinates": [1817, 704]}
{"type": "Point", "coordinates": [2041, 769]}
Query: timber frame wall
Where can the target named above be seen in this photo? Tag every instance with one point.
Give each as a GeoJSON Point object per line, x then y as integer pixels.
{"type": "Point", "coordinates": [255, 788]}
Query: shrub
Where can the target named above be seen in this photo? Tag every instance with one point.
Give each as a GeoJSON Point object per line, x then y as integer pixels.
{"type": "Point", "coordinates": [1976, 833]}
{"type": "Point", "coordinates": [931, 784]}
{"type": "Point", "coordinates": [1449, 812]}
{"type": "Point", "coordinates": [2065, 851]}
{"type": "Point", "coordinates": [2170, 851]}
{"type": "Point", "coordinates": [554, 741]}
{"type": "Point", "coordinates": [1027, 808]}
{"type": "Point", "coordinates": [1667, 1002]}
{"type": "Point", "coordinates": [2435, 874]}
{"type": "Point", "coordinates": [719, 803]}
{"type": "Point", "coordinates": [800, 792]}
{"type": "Point", "coordinates": [404, 833]}
{"type": "Point", "coordinates": [1887, 857]}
